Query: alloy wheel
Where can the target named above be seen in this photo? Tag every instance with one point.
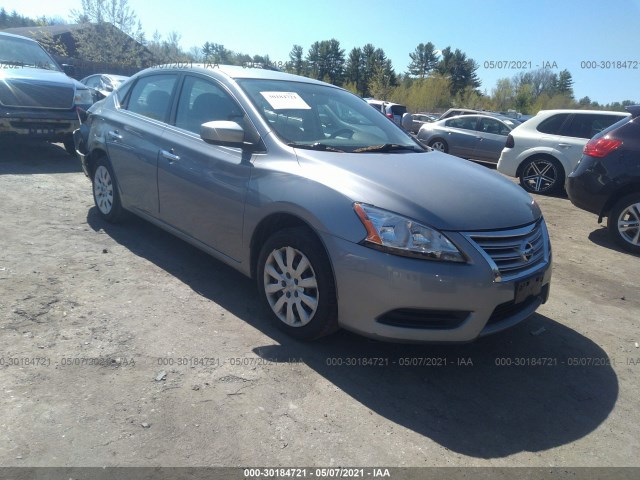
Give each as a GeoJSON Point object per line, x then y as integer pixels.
{"type": "Point", "coordinates": [103, 189]}
{"type": "Point", "coordinates": [629, 224]}
{"type": "Point", "coordinates": [438, 145]}
{"type": "Point", "coordinates": [540, 175]}
{"type": "Point", "coordinates": [291, 286]}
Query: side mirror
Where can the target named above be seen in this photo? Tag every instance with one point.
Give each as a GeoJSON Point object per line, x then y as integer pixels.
{"type": "Point", "coordinates": [222, 132]}
{"type": "Point", "coordinates": [70, 70]}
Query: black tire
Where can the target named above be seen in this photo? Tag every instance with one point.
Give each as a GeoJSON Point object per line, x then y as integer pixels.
{"type": "Point", "coordinates": [439, 144]}
{"type": "Point", "coordinates": [542, 175]}
{"type": "Point", "coordinates": [287, 298]}
{"type": "Point", "coordinates": [105, 192]}
{"type": "Point", "coordinates": [69, 146]}
{"type": "Point", "coordinates": [624, 223]}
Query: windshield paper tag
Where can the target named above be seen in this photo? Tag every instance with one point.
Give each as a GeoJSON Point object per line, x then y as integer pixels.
{"type": "Point", "coordinates": [285, 100]}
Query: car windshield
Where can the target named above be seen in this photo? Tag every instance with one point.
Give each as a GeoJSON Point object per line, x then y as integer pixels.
{"type": "Point", "coordinates": [24, 53]}
{"type": "Point", "coordinates": [320, 117]}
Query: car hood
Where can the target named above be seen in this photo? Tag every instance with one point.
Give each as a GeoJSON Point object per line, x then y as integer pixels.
{"type": "Point", "coordinates": [37, 88]}
{"type": "Point", "coordinates": [434, 188]}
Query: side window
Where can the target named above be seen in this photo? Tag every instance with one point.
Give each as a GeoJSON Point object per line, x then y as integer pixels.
{"type": "Point", "coordinates": [151, 96]}
{"type": "Point", "coordinates": [465, 123]}
{"type": "Point", "coordinates": [490, 125]}
{"type": "Point", "coordinates": [553, 124]}
{"type": "Point", "coordinates": [587, 125]}
{"type": "Point", "coordinates": [93, 82]}
{"type": "Point", "coordinates": [203, 101]}
{"type": "Point", "coordinates": [603, 122]}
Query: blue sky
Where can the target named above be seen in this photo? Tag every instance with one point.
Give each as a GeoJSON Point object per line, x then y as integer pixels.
{"type": "Point", "coordinates": [566, 32]}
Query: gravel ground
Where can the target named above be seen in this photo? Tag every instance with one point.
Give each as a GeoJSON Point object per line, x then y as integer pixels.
{"type": "Point", "coordinates": [124, 346]}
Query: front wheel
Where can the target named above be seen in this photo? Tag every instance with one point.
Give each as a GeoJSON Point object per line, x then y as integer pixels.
{"type": "Point", "coordinates": [105, 192]}
{"type": "Point", "coordinates": [541, 175]}
{"type": "Point", "coordinates": [624, 223]}
{"type": "Point", "coordinates": [439, 144]}
{"type": "Point", "coordinates": [296, 284]}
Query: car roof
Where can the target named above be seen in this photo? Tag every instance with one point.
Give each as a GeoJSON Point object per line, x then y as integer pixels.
{"type": "Point", "coordinates": [19, 37]}
{"type": "Point", "coordinates": [567, 110]}
{"type": "Point", "coordinates": [477, 115]}
{"type": "Point", "coordinates": [235, 72]}
{"type": "Point", "coordinates": [373, 101]}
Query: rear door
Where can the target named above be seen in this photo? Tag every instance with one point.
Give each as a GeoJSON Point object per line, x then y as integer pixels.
{"type": "Point", "coordinates": [578, 130]}
{"type": "Point", "coordinates": [133, 136]}
{"type": "Point", "coordinates": [202, 187]}
{"type": "Point", "coordinates": [492, 135]}
{"type": "Point", "coordinates": [461, 136]}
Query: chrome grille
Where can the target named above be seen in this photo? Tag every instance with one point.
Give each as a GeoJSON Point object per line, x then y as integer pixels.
{"type": "Point", "coordinates": [513, 253]}
{"type": "Point", "coordinates": [34, 94]}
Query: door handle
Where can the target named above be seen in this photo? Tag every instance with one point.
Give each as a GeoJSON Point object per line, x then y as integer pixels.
{"type": "Point", "coordinates": [564, 145]}
{"type": "Point", "coordinates": [170, 155]}
{"type": "Point", "coordinates": [114, 135]}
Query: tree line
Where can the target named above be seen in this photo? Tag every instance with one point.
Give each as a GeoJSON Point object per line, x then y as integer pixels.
{"type": "Point", "coordinates": [436, 79]}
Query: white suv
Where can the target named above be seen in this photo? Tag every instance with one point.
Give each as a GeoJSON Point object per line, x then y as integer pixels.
{"type": "Point", "coordinates": [393, 111]}
{"type": "Point", "coordinates": [545, 149]}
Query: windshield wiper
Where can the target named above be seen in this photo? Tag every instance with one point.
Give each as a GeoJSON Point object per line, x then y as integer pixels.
{"type": "Point", "coordinates": [315, 146]}
{"type": "Point", "coordinates": [388, 147]}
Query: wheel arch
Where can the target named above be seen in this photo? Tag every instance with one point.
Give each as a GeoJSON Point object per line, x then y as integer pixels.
{"type": "Point", "coordinates": [93, 157]}
{"type": "Point", "coordinates": [546, 155]}
{"type": "Point", "coordinates": [273, 223]}
{"type": "Point", "coordinates": [623, 191]}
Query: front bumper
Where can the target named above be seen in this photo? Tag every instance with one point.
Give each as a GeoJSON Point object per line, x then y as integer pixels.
{"type": "Point", "coordinates": [380, 294]}
{"type": "Point", "coordinates": [508, 162]}
{"type": "Point", "coordinates": [52, 125]}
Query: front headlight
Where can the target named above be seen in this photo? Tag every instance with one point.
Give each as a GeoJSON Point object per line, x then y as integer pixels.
{"type": "Point", "coordinates": [395, 234]}
{"type": "Point", "coordinates": [83, 97]}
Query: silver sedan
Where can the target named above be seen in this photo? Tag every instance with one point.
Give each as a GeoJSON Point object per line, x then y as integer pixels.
{"type": "Point", "coordinates": [340, 216]}
{"type": "Point", "coordinates": [480, 137]}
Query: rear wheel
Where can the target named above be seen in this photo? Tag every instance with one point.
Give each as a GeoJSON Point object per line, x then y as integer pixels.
{"type": "Point", "coordinates": [439, 144]}
{"type": "Point", "coordinates": [542, 175]}
{"type": "Point", "coordinates": [105, 192]}
{"type": "Point", "coordinates": [624, 222]}
{"type": "Point", "coordinates": [296, 284]}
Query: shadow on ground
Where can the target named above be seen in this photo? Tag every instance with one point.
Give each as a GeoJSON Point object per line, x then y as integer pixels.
{"type": "Point", "coordinates": [474, 399]}
{"type": "Point", "coordinates": [601, 237]}
{"type": "Point", "coordinates": [22, 157]}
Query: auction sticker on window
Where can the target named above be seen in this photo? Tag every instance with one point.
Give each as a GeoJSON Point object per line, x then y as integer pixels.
{"type": "Point", "coordinates": [285, 100]}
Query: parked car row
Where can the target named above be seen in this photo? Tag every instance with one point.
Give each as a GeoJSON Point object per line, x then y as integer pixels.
{"type": "Point", "coordinates": [606, 181]}
{"type": "Point", "coordinates": [481, 137]}
{"type": "Point", "coordinates": [412, 122]}
{"type": "Point", "coordinates": [594, 154]}
{"type": "Point", "coordinates": [544, 150]}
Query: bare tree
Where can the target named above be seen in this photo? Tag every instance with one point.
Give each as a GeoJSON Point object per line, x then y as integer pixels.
{"type": "Point", "coordinates": [110, 33]}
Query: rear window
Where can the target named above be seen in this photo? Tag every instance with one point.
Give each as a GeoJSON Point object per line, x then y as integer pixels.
{"type": "Point", "coordinates": [553, 124]}
{"type": "Point", "coordinates": [586, 125]}
{"type": "Point", "coordinates": [398, 109]}
{"type": "Point", "coordinates": [615, 126]}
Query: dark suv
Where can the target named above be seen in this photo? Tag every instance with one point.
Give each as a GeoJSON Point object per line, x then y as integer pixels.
{"type": "Point", "coordinates": [606, 181]}
{"type": "Point", "coordinates": [37, 99]}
